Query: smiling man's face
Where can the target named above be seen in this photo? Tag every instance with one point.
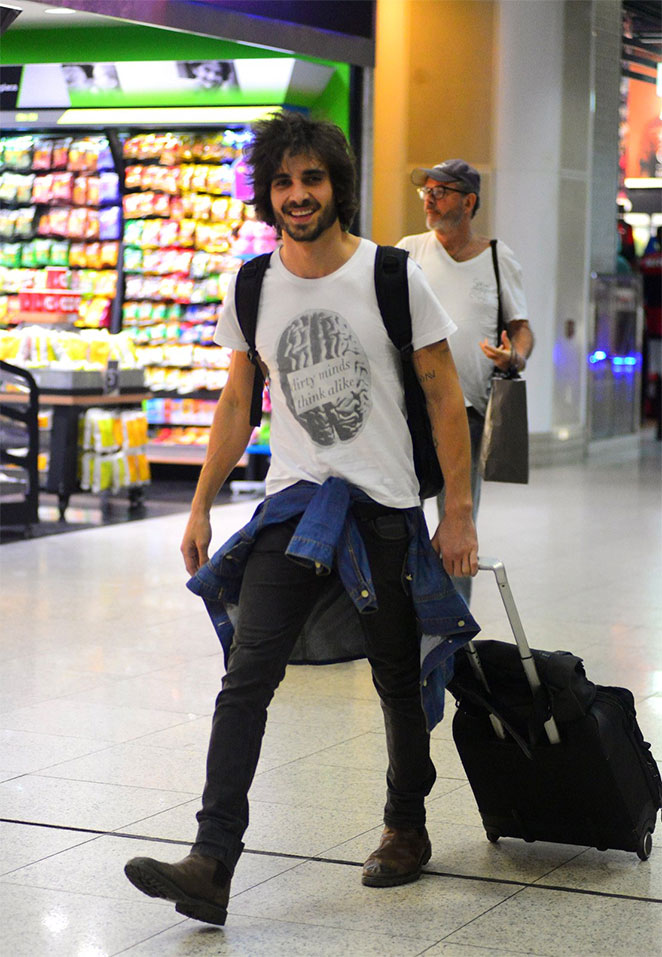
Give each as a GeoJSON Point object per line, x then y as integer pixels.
{"type": "Point", "coordinates": [302, 198]}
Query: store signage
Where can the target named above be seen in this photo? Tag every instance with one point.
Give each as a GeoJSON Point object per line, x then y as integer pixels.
{"type": "Point", "coordinates": [151, 116]}
{"type": "Point", "coordinates": [48, 302]}
{"type": "Point", "coordinates": [243, 82]}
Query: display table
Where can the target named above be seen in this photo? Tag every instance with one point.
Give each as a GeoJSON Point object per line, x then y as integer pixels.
{"type": "Point", "coordinates": [62, 477]}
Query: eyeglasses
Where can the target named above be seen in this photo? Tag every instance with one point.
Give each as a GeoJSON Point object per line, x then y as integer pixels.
{"type": "Point", "coordinates": [438, 191]}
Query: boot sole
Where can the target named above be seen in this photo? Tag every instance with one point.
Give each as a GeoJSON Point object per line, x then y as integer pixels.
{"type": "Point", "coordinates": [395, 880]}
{"type": "Point", "coordinates": [154, 884]}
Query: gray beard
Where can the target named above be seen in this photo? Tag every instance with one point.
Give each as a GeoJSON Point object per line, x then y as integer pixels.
{"type": "Point", "coordinates": [445, 222]}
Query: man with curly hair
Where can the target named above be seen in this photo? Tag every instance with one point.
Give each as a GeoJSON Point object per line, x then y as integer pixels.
{"type": "Point", "coordinates": [342, 508]}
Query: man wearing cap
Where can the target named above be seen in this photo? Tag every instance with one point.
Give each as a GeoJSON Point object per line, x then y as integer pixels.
{"type": "Point", "coordinates": [458, 265]}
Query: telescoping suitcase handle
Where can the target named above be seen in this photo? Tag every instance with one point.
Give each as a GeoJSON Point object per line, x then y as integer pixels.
{"type": "Point", "coordinates": [499, 570]}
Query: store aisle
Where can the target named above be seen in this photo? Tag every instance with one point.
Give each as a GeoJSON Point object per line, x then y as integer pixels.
{"type": "Point", "coordinates": [108, 673]}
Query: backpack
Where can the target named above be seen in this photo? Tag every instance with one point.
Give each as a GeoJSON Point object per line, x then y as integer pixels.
{"type": "Point", "coordinates": [392, 289]}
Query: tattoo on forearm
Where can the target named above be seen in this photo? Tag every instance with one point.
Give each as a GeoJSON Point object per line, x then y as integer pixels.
{"type": "Point", "coordinates": [429, 374]}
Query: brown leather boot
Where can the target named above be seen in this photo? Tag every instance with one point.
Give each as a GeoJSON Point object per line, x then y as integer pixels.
{"type": "Point", "coordinates": [399, 857]}
{"type": "Point", "coordinates": [199, 886]}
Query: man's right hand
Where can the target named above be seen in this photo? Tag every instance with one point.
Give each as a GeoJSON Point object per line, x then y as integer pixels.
{"type": "Point", "coordinates": [195, 543]}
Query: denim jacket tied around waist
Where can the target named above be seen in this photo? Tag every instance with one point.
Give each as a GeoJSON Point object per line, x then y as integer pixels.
{"type": "Point", "coordinates": [327, 535]}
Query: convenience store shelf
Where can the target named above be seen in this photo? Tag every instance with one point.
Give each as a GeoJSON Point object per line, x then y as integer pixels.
{"type": "Point", "coordinates": [170, 453]}
{"type": "Point", "coordinates": [161, 453]}
{"type": "Point", "coordinates": [88, 380]}
{"type": "Point", "coordinates": [47, 318]}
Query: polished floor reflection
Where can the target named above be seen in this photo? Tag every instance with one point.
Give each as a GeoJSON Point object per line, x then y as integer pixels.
{"type": "Point", "coordinates": [108, 673]}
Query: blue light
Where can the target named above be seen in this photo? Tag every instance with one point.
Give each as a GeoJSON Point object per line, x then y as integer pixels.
{"type": "Point", "coordinates": [597, 356]}
{"type": "Point", "coordinates": [624, 360]}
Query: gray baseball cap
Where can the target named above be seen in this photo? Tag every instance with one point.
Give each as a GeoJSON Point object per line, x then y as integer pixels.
{"type": "Point", "coordinates": [449, 171]}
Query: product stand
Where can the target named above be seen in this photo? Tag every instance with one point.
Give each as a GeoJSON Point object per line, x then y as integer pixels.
{"type": "Point", "coordinates": [62, 478]}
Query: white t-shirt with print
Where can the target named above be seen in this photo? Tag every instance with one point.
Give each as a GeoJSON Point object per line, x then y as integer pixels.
{"type": "Point", "coordinates": [335, 378]}
{"type": "Point", "coordinates": [468, 292]}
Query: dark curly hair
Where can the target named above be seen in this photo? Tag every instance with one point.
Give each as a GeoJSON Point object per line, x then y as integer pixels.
{"type": "Point", "coordinates": [295, 134]}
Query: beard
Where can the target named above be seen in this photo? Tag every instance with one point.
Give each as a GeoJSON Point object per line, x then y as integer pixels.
{"type": "Point", "coordinates": [308, 232]}
{"type": "Point", "coordinates": [443, 221]}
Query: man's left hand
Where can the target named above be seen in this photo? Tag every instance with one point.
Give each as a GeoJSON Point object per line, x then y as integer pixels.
{"type": "Point", "coordinates": [456, 543]}
{"type": "Point", "coordinates": [504, 357]}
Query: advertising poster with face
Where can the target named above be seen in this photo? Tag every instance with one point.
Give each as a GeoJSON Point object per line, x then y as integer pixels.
{"type": "Point", "coordinates": [250, 81]}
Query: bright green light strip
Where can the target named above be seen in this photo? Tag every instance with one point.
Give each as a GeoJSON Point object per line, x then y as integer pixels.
{"type": "Point", "coordinates": [166, 116]}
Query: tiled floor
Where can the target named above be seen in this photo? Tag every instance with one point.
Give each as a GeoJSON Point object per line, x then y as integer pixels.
{"type": "Point", "coordinates": [108, 673]}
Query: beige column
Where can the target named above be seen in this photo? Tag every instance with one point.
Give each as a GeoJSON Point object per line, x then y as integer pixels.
{"type": "Point", "coordinates": [391, 103]}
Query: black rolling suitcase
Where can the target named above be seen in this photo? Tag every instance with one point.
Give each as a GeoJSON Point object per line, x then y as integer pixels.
{"type": "Point", "coordinates": [549, 755]}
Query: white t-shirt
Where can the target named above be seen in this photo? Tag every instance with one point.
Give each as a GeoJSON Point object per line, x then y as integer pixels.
{"type": "Point", "coordinates": [468, 292]}
{"type": "Point", "coordinates": [335, 378]}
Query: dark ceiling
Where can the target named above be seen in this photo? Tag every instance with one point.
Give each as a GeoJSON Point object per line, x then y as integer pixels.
{"type": "Point", "coordinates": [642, 36]}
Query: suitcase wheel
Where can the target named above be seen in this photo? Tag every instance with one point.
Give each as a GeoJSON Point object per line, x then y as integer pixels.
{"type": "Point", "coordinates": [492, 836]}
{"type": "Point", "coordinates": [645, 846]}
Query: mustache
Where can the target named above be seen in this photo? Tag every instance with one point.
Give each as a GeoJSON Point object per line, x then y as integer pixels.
{"type": "Point", "coordinates": [312, 204]}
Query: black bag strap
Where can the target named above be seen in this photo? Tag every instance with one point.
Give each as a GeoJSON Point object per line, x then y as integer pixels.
{"type": "Point", "coordinates": [247, 302]}
{"type": "Point", "coordinates": [500, 662]}
{"type": "Point", "coordinates": [501, 325]}
{"type": "Point", "coordinates": [392, 289]}
{"type": "Point", "coordinates": [495, 262]}
{"type": "Point", "coordinates": [486, 703]}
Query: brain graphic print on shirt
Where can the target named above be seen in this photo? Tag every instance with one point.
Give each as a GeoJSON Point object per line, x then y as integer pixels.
{"type": "Point", "coordinates": [325, 376]}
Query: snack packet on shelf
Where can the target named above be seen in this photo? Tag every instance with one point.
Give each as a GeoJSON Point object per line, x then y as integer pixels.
{"type": "Point", "coordinates": [79, 194]}
{"type": "Point", "coordinates": [133, 176]}
{"type": "Point", "coordinates": [42, 154]}
{"type": "Point", "coordinates": [109, 223]}
{"type": "Point", "coordinates": [62, 188]}
{"type": "Point", "coordinates": [85, 470]}
{"type": "Point", "coordinates": [134, 429]}
{"type": "Point", "coordinates": [60, 251]}
{"type": "Point", "coordinates": [103, 473]}
{"type": "Point", "coordinates": [133, 232]}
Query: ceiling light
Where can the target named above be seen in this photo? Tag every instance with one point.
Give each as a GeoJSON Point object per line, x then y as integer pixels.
{"type": "Point", "coordinates": [59, 11]}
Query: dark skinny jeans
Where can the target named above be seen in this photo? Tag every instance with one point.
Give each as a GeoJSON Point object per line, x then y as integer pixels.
{"type": "Point", "coordinates": [276, 598]}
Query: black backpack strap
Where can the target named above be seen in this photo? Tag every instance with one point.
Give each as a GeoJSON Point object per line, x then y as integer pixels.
{"type": "Point", "coordinates": [392, 288]}
{"type": "Point", "coordinates": [495, 261]}
{"type": "Point", "coordinates": [247, 301]}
